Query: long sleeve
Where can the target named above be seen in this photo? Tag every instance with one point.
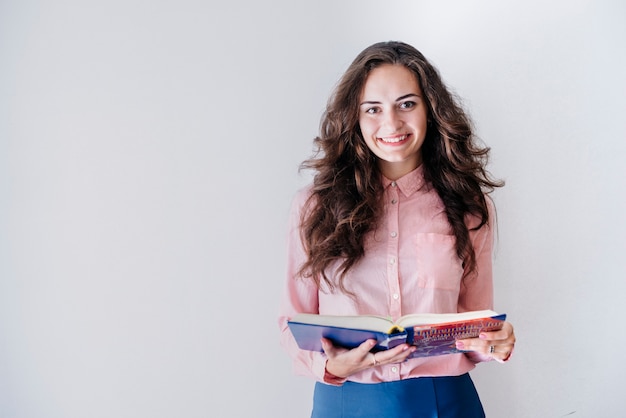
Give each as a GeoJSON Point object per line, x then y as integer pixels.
{"type": "Point", "coordinates": [477, 291]}
{"type": "Point", "coordinates": [300, 295]}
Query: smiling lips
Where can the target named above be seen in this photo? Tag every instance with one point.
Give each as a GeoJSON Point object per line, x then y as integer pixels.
{"type": "Point", "coordinates": [393, 139]}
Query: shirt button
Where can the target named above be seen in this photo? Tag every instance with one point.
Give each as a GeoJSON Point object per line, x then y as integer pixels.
{"type": "Point", "coordinates": [396, 296]}
{"type": "Point", "coordinates": [394, 234]}
{"type": "Point", "coordinates": [394, 201]}
{"type": "Point", "coordinates": [393, 184]}
{"type": "Point", "coordinates": [394, 369]}
{"type": "Point", "coordinates": [392, 260]}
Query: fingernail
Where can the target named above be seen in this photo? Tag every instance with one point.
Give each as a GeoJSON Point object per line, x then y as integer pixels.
{"type": "Point", "coordinates": [460, 345]}
{"type": "Point", "coordinates": [482, 336]}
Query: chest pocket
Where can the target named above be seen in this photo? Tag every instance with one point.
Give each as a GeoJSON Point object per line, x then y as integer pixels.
{"type": "Point", "coordinates": [438, 266]}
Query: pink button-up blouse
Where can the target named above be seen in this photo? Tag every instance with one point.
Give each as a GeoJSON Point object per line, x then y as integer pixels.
{"type": "Point", "coordinates": [410, 266]}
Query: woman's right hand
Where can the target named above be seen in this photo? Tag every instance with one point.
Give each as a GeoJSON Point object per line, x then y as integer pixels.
{"type": "Point", "coordinates": [343, 362]}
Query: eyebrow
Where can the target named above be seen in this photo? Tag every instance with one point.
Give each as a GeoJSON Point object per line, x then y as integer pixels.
{"type": "Point", "coordinates": [406, 96]}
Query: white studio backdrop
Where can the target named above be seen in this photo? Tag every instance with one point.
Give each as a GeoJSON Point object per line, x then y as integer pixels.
{"type": "Point", "coordinates": [149, 152]}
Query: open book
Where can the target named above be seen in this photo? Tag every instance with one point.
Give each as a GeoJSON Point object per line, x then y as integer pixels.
{"type": "Point", "coordinates": [432, 334]}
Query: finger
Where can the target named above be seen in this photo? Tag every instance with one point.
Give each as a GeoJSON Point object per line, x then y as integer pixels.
{"type": "Point", "coordinates": [366, 346]}
{"type": "Point", "coordinates": [477, 344]}
{"type": "Point", "coordinates": [326, 345]}
{"type": "Point", "coordinates": [394, 355]}
{"type": "Point", "coordinates": [494, 335]}
{"type": "Point", "coordinates": [502, 358]}
{"type": "Point", "coordinates": [505, 333]}
{"type": "Point", "coordinates": [494, 349]}
{"type": "Point", "coordinates": [403, 354]}
{"type": "Point", "coordinates": [486, 339]}
{"type": "Point", "coordinates": [500, 353]}
{"type": "Point", "coordinates": [472, 344]}
{"type": "Point", "coordinates": [331, 349]}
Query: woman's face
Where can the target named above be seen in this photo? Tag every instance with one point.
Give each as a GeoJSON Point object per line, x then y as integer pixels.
{"type": "Point", "coordinates": [393, 119]}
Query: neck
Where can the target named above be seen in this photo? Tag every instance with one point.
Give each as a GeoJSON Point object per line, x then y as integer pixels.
{"type": "Point", "coordinates": [395, 170]}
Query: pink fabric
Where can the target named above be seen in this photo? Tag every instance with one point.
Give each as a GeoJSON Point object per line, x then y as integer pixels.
{"type": "Point", "coordinates": [410, 266]}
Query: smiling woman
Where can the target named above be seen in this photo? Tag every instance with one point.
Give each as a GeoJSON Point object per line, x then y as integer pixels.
{"type": "Point", "coordinates": [397, 221]}
{"type": "Point", "coordinates": [393, 119]}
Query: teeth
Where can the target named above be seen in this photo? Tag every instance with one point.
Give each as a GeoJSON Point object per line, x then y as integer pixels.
{"type": "Point", "coordinates": [395, 139]}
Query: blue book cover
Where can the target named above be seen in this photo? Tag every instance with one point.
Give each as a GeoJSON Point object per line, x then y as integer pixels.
{"type": "Point", "coordinates": [308, 336]}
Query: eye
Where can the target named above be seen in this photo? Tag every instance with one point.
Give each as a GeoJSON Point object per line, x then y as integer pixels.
{"type": "Point", "coordinates": [407, 105]}
{"type": "Point", "coordinates": [372, 110]}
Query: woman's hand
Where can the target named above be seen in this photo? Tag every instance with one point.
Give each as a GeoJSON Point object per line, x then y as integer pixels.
{"type": "Point", "coordinates": [343, 362]}
{"type": "Point", "coordinates": [497, 344]}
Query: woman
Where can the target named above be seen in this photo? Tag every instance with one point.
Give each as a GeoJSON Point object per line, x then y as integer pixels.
{"type": "Point", "coordinates": [396, 221]}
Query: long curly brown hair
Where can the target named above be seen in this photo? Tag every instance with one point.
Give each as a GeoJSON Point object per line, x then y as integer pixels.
{"type": "Point", "coordinates": [345, 203]}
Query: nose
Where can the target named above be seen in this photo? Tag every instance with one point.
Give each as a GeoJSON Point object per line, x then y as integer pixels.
{"type": "Point", "coordinates": [392, 120]}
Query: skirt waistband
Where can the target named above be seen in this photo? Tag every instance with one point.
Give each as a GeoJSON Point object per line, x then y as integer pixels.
{"type": "Point", "coordinates": [424, 397]}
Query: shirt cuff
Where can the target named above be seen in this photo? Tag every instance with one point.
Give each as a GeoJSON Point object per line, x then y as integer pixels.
{"type": "Point", "coordinates": [331, 379]}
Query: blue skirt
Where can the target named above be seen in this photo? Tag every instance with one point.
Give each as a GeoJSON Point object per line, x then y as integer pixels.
{"type": "Point", "coordinates": [424, 397]}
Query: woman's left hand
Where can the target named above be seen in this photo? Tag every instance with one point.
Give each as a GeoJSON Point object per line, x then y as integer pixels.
{"type": "Point", "coordinates": [496, 344]}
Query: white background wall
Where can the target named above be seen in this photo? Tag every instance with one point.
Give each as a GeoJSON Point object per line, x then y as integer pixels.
{"type": "Point", "coordinates": [149, 151]}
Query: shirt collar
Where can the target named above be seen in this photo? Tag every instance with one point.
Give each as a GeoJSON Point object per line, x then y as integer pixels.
{"type": "Point", "coordinates": [409, 183]}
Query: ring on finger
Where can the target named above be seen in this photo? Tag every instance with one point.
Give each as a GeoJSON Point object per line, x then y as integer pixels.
{"type": "Point", "coordinates": [492, 349]}
{"type": "Point", "coordinates": [375, 360]}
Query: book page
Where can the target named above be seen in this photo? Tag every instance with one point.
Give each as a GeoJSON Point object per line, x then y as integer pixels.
{"type": "Point", "coordinates": [425, 319]}
{"type": "Point", "coordinates": [364, 322]}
